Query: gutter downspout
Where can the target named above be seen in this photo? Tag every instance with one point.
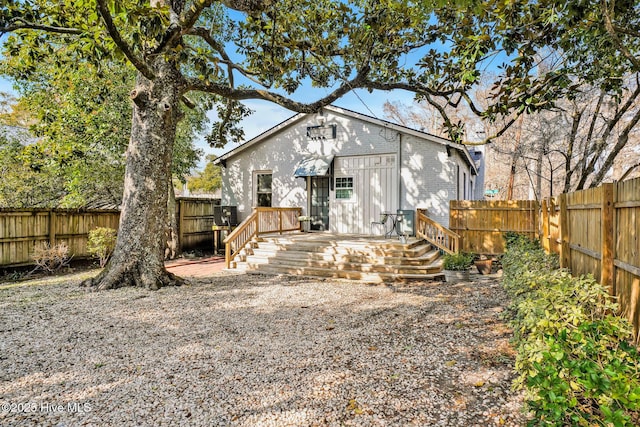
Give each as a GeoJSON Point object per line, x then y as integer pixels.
{"type": "Point", "coordinates": [399, 170]}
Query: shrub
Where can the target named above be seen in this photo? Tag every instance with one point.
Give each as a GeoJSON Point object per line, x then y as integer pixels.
{"type": "Point", "coordinates": [457, 262]}
{"type": "Point", "coordinates": [574, 359]}
{"type": "Point", "coordinates": [101, 243]}
{"type": "Point", "coordinates": [50, 258]}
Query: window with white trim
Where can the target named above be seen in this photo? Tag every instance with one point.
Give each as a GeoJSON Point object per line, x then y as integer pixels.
{"type": "Point", "coordinates": [344, 188]}
{"type": "Point", "coordinates": [264, 189]}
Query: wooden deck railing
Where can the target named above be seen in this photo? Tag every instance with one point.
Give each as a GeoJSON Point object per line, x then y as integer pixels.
{"type": "Point", "coordinates": [437, 235]}
{"type": "Point", "coordinates": [261, 221]}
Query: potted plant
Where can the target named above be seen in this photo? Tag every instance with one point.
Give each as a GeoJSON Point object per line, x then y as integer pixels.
{"type": "Point", "coordinates": [483, 264]}
{"type": "Point", "coordinates": [456, 266]}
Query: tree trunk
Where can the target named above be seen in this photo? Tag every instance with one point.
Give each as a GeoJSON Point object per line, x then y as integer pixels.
{"type": "Point", "coordinates": [138, 258]}
{"type": "Point", "coordinates": [539, 174]}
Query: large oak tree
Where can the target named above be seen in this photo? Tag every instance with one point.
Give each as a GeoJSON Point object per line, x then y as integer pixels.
{"type": "Point", "coordinates": [236, 50]}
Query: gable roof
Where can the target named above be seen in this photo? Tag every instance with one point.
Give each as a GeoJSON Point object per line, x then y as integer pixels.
{"type": "Point", "coordinates": [349, 113]}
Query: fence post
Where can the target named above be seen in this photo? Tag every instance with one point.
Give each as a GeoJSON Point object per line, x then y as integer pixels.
{"type": "Point", "coordinates": [280, 220]}
{"type": "Point", "coordinates": [544, 215]}
{"type": "Point", "coordinates": [180, 225]}
{"type": "Point", "coordinates": [553, 237]}
{"type": "Point", "coordinates": [565, 254]}
{"type": "Point", "coordinates": [536, 218]}
{"type": "Point", "coordinates": [607, 276]}
{"type": "Point", "coordinates": [52, 227]}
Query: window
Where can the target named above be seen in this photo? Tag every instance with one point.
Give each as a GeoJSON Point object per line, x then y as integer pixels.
{"type": "Point", "coordinates": [263, 189]}
{"type": "Point", "coordinates": [344, 188]}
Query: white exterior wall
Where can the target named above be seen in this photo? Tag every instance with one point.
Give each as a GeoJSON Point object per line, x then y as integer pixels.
{"type": "Point", "coordinates": [425, 176]}
{"type": "Point", "coordinates": [281, 153]}
{"type": "Point", "coordinates": [428, 177]}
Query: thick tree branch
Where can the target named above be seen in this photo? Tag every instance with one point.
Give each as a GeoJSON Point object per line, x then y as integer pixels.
{"type": "Point", "coordinates": [189, 17]}
{"type": "Point", "coordinates": [248, 5]}
{"type": "Point", "coordinates": [576, 118]}
{"type": "Point", "coordinates": [187, 20]}
{"type": "Point", "coordinates": [19, 24]}
{"type": "Point", "coordinates": [301, 107]}
{"type": "Point", "coordinates": [205, 35]}
{"type": "Point", "coordinates": [188, 103]}
{"type": "Point", "coordinates": [627, 31]}
{"type": "Point", "coordinates": [122, 45]}
{"type": "Point", "coordinates": [411, 87]}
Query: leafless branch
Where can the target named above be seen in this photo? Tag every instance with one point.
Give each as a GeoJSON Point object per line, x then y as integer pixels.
{"type": "Point", "coordinates": [622, 141]}
{"type": "Point", "coordinates": [611, 125]}
{"type": "Point", "coordinates": [628, 171]}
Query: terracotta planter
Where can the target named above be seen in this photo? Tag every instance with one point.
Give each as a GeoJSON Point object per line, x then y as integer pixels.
{"type": "Point", "coordinates": [456, 276]}
{"type": "Point", "coordinates": [483, 266]}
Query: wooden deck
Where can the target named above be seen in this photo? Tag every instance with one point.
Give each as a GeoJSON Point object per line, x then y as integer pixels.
{"type": "Point", "coordinates": [346, 256]}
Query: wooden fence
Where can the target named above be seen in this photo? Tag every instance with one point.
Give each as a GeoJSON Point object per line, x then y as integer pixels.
{"type": "Point", "coordinates": [195, 219]}
{"type": "Point", "coordinates": [597, 232]}
{"type": "Point", "coordinates": [481, 224]}
{"type": "Point", "coordinates": [22, 229]}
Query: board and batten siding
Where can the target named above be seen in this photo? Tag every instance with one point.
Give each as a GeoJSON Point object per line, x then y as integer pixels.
{"type": "Point", "coordinates": [375, 190]}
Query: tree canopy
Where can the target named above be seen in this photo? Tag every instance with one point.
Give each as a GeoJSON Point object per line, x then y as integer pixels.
{"type": "Point", "coordinates": [438, 50]}
{"type": "Point", "coordinates": [207, 181]}
{"type": "Point", "coordinates": [80, 119]}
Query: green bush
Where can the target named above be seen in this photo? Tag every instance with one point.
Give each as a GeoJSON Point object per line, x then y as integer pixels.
{"type": "Point", "coordinates": [101, 243]}
{"type": "Point", "coordinates": [574, 358]}
{"type": "Point", "coordinates": [457, 262]}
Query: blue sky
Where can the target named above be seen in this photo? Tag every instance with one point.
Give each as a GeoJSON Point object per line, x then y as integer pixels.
{"type": "Point", "coordinates": [267, 114]}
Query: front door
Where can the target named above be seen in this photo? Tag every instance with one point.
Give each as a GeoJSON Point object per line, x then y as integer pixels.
{"type": "Point", "coordinates": [319, 203]}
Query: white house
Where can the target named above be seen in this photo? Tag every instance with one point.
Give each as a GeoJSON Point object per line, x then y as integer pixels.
{"type": "Point", "coordinates": [345, 168]}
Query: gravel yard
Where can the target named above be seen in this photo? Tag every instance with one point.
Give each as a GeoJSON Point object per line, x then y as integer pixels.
{"type": "Point", "coordinates": [251, 350]}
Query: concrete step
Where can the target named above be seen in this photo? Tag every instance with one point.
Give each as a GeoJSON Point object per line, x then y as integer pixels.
{"type": "Point", "coordinates": [371, 277]}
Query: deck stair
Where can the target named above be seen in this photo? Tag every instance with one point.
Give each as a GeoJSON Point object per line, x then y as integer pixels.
{"type": "Point", "coordinates": [347, 257]}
